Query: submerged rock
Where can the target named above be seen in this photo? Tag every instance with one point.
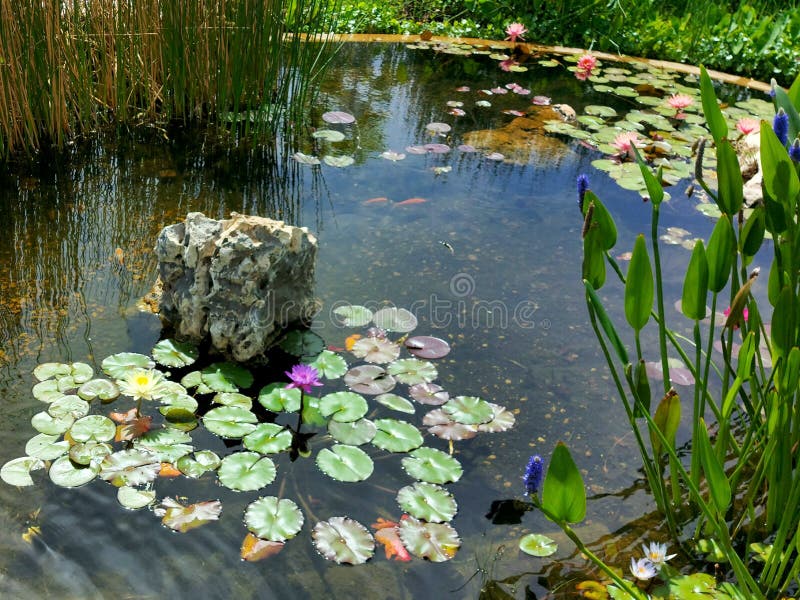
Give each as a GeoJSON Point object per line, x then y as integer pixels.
{"type": "Point", "coordinates": [237, 283]}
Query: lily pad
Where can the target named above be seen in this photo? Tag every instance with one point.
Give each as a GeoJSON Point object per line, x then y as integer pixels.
{"type": "Point", "coordinates": [329, 135]}
{"type": "Point", "coordinates": [678, 373]}
{"type": "Point", "coordinates": [166, 444]}
{"type": "Point", "coordinates": [538, 545]}
{"type": "Point", "coordinates": [425, 346]}
{"type": "Point", "coordinates": [396, 436]}
{"type": "Point", "coordinates": [277, 398]}
{"type": "Point", "coordinates": [338, 116]}
{"type": "Point", "coordinates": [184, 518]}
{"type": "Point", "coordinates": [442, 426]}
{"type": "Point", "coordinates": [395, 402]}
{"type": "Point", "coordinates": [69, 406]}
{"type": "Point", "coordinates": [369, 379]}
{"type": "Point", "coordinates": [392, 318]}
{"type": "Point", "coordinates": [18, 470]}
{"type": "Point", "coordinates": [134, 498]}
{"type": "Point", "coordinates": [268, 438]}
{"type": "Point", "coordinates": [272, 519]}
{"type": "Point", "coordinates": [103, 389]}
{"type": "Point", "coordinates": [343, 540]}
{"type": "Point", "coordinates": [338, 161]}
{"type": "Point", "coordinates": [172, 353]}
{"type": "Point", "coordinates": [353, 315]}
{"type": "Point", "coordinates": [428, 502]}
{"type": "Point", "coordinates": [231, 422]}
{"type": "Point", "coordinates": [302, 343]}
{"type": "Point", "coordinates": [233, 399]}
{"type": "Point", "coordinates": [469, 410]}
{"type": "Point", "coordinates": [132, 467]}
{"type": "Point", "coordinates": [47, 391]}
{"type": "Point", "coordinates": [305, 159]}
{"type": "Point", "coordinates": [119, 365]}
{"type": "Point", "coordinates": [65, 474]}
{"type": "Point", "coordinates": [46, 447]}
{"type": "Point", "coordinates": [438, 542]}
{"type": "Point", "coordinates": [354, 433]}
{"type": "Point", "coordinates": [376, 350]}
{"type": "Point", "coordinates": [412, 371]}
{"type": "Point", "coordinates": [344, 407]}
{"type": "Point", "coordinates": [440, 128]}
{"type": "Point", "coordinates": [345, 463]}
{"type": "Point", "coordinates": [246, 471]}
{"type": "Point", "coordinates": [226, 377]}
{"type": "Point", "coordinates": [201, 462]}
{"type": "Point", "coordinates": [51, 370]}
{"type": "Point", "coordinates": [44, 422]}
{"type": "Point", "coordinates": [88, 453]}
{"type": "Point", "coordinates": [600, 111]}
{"type": "Point", "coordinates": [329, 365]}
{"type": "Point", "coordinates": [502, 420]}
{"type": "Point", "coordinates": [429, 393]}
{"type": "Point", "coordinates": [432, 465]}
{"type": "Point", "coordinates": [94, 428]}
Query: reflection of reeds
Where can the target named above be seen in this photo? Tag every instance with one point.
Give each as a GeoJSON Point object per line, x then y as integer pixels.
{"type": "Point", "coordinates": [68, 67]}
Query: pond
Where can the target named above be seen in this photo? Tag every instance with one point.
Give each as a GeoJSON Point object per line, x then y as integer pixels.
{"type": "Point", "coordinates": [481, 243]}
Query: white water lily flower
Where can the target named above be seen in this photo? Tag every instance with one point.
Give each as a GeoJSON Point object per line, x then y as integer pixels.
{"type": "Point", "coordinates": [642, 569]}
{"type": "Point", "coordinates": [142, 384]}
{"type": "Point", "coordinates": [656, 553]}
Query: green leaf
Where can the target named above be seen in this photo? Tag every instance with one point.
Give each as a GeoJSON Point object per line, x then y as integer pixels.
{"type": "Point", "coordinates": [563, 494]}
{"type": "Point", "coordinates": [302, 343]}
{"type": "Point", "coordinates": [601, 220]}
{"type": "Point", "coordinates": [729, 175]}
{"type": "Point", "coordinates": [18, 470]}
{"type": "Point", "coordinates": [354, 433]}
{"type": "Point", "coordinates": [277, 398]}
{"type": "Point", "coordinates": [88, 453]}
{"type": "Point", "coordinates": [233, 399]}
{"type": "Point", "coordinates": [51, 370]}
{"type": "Point", "coordinates": [343, 540]}
{"type": "Point", "coordinates": [119, 365]}
{"type": "Point", "coordinates": [412, 371]}
{"type": "Point", "coordinates": [133, 498]}
{"type": "Point", "coordinates": [132, 467]}
{"type": "Point", "coordinates": [268, 438]}
{"type": "Point", "coordinates": [44, 422]}
{"type": "Point", "coordinates": [720, 254]}
{"type": "Point", "coordinates": [172, 353]}
{"type": "Point", "coordinates": [780, 176]}
{"type": "Point", "coordinates": [695, 284]}
{"type": "Point", "coordinates": [654, 188]}
{"type": "Point", "coordinates": [329, 364]}
{"type": "Point", "coordinates": [639, 286]}
{"type": "Point", "coordinates": [396, 436]}
{"type": "Point", "coordinates": [231, 422]}
{"type": "Point", "coordinates": [392, 318]}
{"type": "Point", "coordinates": [65, 474]}
{"type": "Point", "coordinates": [369, 379]}
{"type": "Point", "coordinates": [95, 428]}
{"type": "Point", "coordinates": [427, 501]}
{"type": "Point", "coordinates": [345, 463]}
{"type": "Point", "coordinates": [432, 465]}
{"type": "Point", "coordinates": [781, 332]}
{"type": "Point", "coordinates": [344, 407]}
{"type": "Point", "coordinates": [46, 447]}
{"type": "Point", "coordinates": [605, 322]}
{"type": "Point", "coordinates": [714, 117]}
{"type": "Point", "coordinates": [593, 267]}
{"type": "Point", "coordinates": [226, 377]}
{"type": "Point", "coordinates": [272, 519]}
{"type": "Point", "coordinates": [438, 542]}
{"type": "Point", "coordinates": [353, 315]}
{"type": "Point", "coordinates": [715, 475]}
{"type": "Point", "coordinates": [103, 389]}
{"type": "Point", "coordinates": [784, 101]}
{"type": "Point", "coordinates": [395, 402]}
{"type": "Point", "coordinates": [246, 471]}
{"type": "Point", "coordinates": [469, 410]}
{"type": "Point", "coordinates": [667, 418]}
{"type": "Point", "coordinates": [538, 545]}
{"type": "Point", "coordinates": [753, 233]}
{"type": "Point", "coordinates": [167, 444]}
{"type": "Point", "coordinates": [202, 462]}
{"type": "Point", "coordinates": [744, 364]}
{"type": "Point", "coordinates": [47, 391]}
{"type": "Point", "coordinates": [69, 406]}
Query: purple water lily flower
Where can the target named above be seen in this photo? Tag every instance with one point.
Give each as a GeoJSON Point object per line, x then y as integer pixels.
{"type": "Point", "coordinates": [303, 377]}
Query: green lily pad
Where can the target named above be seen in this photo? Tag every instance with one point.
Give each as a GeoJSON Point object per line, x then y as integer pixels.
{"type": "Point", "coordinates": [183, 518]}
{"type": "Point", "coordinates": [103, 389]}
{"type": "Point", "coordinates": [376, 350]}
{"type": "Point", "coordinates": [330, 135]}
{"type": "Point", "coordinates": [442, 426]}
{"type": "Point", "coordinates": [81, 372]}
{"type": "Point", "coordinates": [343, 540]}
{"type": "Point", "coordinates": [305, 159]}
{"type": "Point", "coordinates": [396, 436]}
{"type": "Point", "coordinates": [369, 379]}
{"type": "Point", "coordinates": [172, 353]}
{"type": "Point", "coordinates": [538, 545]}
{"type": "Point", "coordinates": [344, 407]}
{"type": "Point", "coordinates": [272, 519]}
{"type": "Point", "coordinates": [412, 371]}
{"type": "Point", "coordinates": [302, 343]}
{"type": "Point", "coordinates": [47, 391]}
{"type": "Point", "coordinates": [338, 161]}
{"type": "Point", "coordinates": [438, 542]}
{"type": "Point", "coordinates": [89, 453]}
{"type": "Point", "coordinates": [69, 406]}
{"type": "Point", "coordinates": [268, 438]}
{"type": "Point", "coordinates": [396, 402]}
{"type": "Point", "coordinates": [353, 315]}
{"type": "Point", "coordinates": [201, 462]}
{"type": "Point", "coordinates": [502, 420]}
{"type": "Point", "coordinates": [18, 470]}
{"type": "Point", "coordinates": [231, 422]}
{"type": "Point", "coordinates": [469, 410]}
{"type": "Point", "coordinates": [134, 498]}
{"type": "Point", "coordinates": [44, 422]}
{"type": "Point", "coordinates": [233, 399]}
{"type": "Point", "coordinates": [432, 466]}
{"type": "Point", "coordinates": [226, 377]}
{"type": "Point", "coordinates": [345, 463]}
{"type": "Point", "coordinates": [246, 471]}
{"type": "Point", "coordinates": [329, 365]}
{"type": "Point", "coordinates": [395, 319]}
{"type": "Point", "coordinates": [119, 365]}
{"type": "Point", "coordinates": [428, 502]}
{"type": "Point", "coordinates": [277, 398]}
{"type": "Point", "coordinates": [51, 370]}
{"type": "Point", "coordinates": [354, 433]}
{"type": "Point", "coordinates": [95, 428]}
{"type": "Point", "coordinates": [131, 467]}
{"type": "Point", "coordinates": [65, 474]}
{"type": "Point", "coordinates": [600, 111]}
{"type": "Point", "coordinates": [167, 445]}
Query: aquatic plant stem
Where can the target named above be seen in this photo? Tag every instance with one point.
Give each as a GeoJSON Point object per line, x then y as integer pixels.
{"type": "Point", "coordinates": [662, 335]}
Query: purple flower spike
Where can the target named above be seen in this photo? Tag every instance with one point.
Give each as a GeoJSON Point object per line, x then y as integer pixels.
{"type": "Point", "coordinates": [303, 377]}
{"type": "Point", "coordinates": [794, 150]}
{"type": "Point", "coordinates": [534, 474]}
{"type": "Point", "coordinates": [780, 125]}
{"type": "Point", "coordinates": [583, 186]}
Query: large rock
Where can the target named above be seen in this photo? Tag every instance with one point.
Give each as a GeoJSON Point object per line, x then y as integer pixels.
{"type": "Point", "coordinates": [237, 283]}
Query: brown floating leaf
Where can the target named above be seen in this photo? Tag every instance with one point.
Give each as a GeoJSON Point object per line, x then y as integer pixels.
{"type": "Point", "coordinates": [255, 549]}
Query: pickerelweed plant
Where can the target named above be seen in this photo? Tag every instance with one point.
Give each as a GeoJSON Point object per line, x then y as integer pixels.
{"type": "Point", "coordinates": [136, 449]}
{"type": "Point", "coordinates": [741, 482]}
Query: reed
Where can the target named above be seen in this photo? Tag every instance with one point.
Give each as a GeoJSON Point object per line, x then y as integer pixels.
{"type": "Point", "coordinates": [69, 67]}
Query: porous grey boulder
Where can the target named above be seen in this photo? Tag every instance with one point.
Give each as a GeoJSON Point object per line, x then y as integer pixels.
{"type": "Point", "coordinates": [237, 283]}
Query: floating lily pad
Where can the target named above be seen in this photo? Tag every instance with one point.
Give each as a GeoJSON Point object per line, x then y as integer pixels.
{"type": "Point", "coordinates": [302, 343]}
{"type": "Point", "coordinates": [44, 422]}
{"type": "Point", "coordinates": [369, 379]}
{"type": "Point", "coordinates": [268, 438]}
{"type": "Point", "coordinates": [51, 370]}
{"type": "Point", "coordinates": [344, 407]}
{"type": "Point", "coordinates": [376, 350]}
{"type": "Point", "coordinates": [134, 498]}
{"type": "Point", "coordinates": [338, 116]}
{"type": "Point", "coordinates": [440, 128]}
{"type": "Point", "coordinates": [538, 545]}
{"type": "Point", "coordinates": [396, 436]}
{"type": "Point", "coordinates": [425, 346]}
{"type": "Point", "coordinates": [277, 398]}
{"type": "Point", "coordinates": [432, 465]}
{"type": "Point", "coordinates": [436, 149]}
{"type": "Point", "coordinates": [226, 377]}
{"type": "Point", "coordinates": [429, 393]}
{"type": "Point", "coordinates": [428, 502]}
{"type": "Point", "coordinates": [442, 426]}
{"type": "Point", "coordinates": [395, 402]}
{"type": "Point", "coordinates": [600, 111]}
{"type": "Point", "coordinates": [469, 410]}
{"type": "Point", "coordinates": [329, 135]}
{"type": "Point", "coordinates": [412, 371]}
{"type": "Point", "coordinates": [167, 444]}
{"type": "Point", "coordinates": [69, 406]}
{"type": "Point", "coordinates": [230, 421]}
{"type": "Point", "coordinates": [354, 433]}
{"type": "Point", "coordinates": [184, 518]}
{"type": "Point", "coordinates": [246, 471]}
{"type": "Point", "coordinates": [338, 161]}
{"type": "Point", "coordinates": [272, 519]}
{"type": "Point", "coordinates": [103, 389]}
{"type": "Point", "coordinates": [329, 365]}
{"type": "Point", "coordinates": [201, 462]}
{"type": "Point", "coordinates": [65, 474]}
{"type": "Point", "coordinates": [678, 373]}
{"type": "Point", "coordinates": [88, 453]}
{"type": "Point", "coordinates": [395, 319]}
{"type": "Point", "coordinates": [343, 540]}
{"type": "Point", "coordinates": [172, 353]}
{"type": "Point", "coordinates": [353, 315]}
{"type": "Point", "coordinates": [438, 542]}
{"type": "Point", "coordinates": [233, 399]}
{"type": "Point", "coordinates": [46, 447]}
{"type": "Point", "coordinates": [94, 428]}
{"type": "Point", "coordinates": [345, 463]}
{"type": "Point", "coordinates": [132, 467]}
{"type": "Point", "coordinates": [305, 159]}
{"type": "Point", "coordinates": [18, 470]}
{"type": "Point", "coordinates": [119, 365]}
{"type": "Point", "coordinates": [47, 391]}
{"type": "Point", "coordinates": [502, 420]}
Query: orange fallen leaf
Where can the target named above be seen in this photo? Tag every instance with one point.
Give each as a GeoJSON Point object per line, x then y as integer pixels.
{"type": "Point", "coordinates": [254, 548]}
{"type": "Point", "coordinates": [169, 470]}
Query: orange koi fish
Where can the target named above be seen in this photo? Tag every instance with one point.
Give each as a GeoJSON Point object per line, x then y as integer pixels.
{"type": "Point", "coordinates": [378, 200]}
{"type": "Point", "coordinates": [411, 201]}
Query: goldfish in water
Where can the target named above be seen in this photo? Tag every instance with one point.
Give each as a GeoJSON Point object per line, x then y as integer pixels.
{"type": "Point", "coordinates": [411, 201]}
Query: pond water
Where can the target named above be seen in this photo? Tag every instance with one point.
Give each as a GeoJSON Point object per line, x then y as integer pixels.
{"type": "Point", "coordinates": [487, 256]}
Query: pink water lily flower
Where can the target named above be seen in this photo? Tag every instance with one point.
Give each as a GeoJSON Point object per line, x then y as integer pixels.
{"type": "Point", "coordinates": [507, 64]}
{"type": "Point", "coordinates": [515, 30]}
{"type": "Point", "coordinates": [587, 62]}
{"type": "Point", "coordinates": [748, 125]}
{"type": "Point", "coordinates": [680, 101]}
{"type": "Point", "coordinates": [303, 377]}
{"type": "Point", "coordinates": [625, 141]}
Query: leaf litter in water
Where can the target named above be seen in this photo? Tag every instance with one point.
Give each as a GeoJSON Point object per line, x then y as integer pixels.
{"type": "Point", "coordinates": [183, 518]}
{"type": "Point", "coordinates": [343, 540]}
{"type": "Point", "coordinates": [255, 549]}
